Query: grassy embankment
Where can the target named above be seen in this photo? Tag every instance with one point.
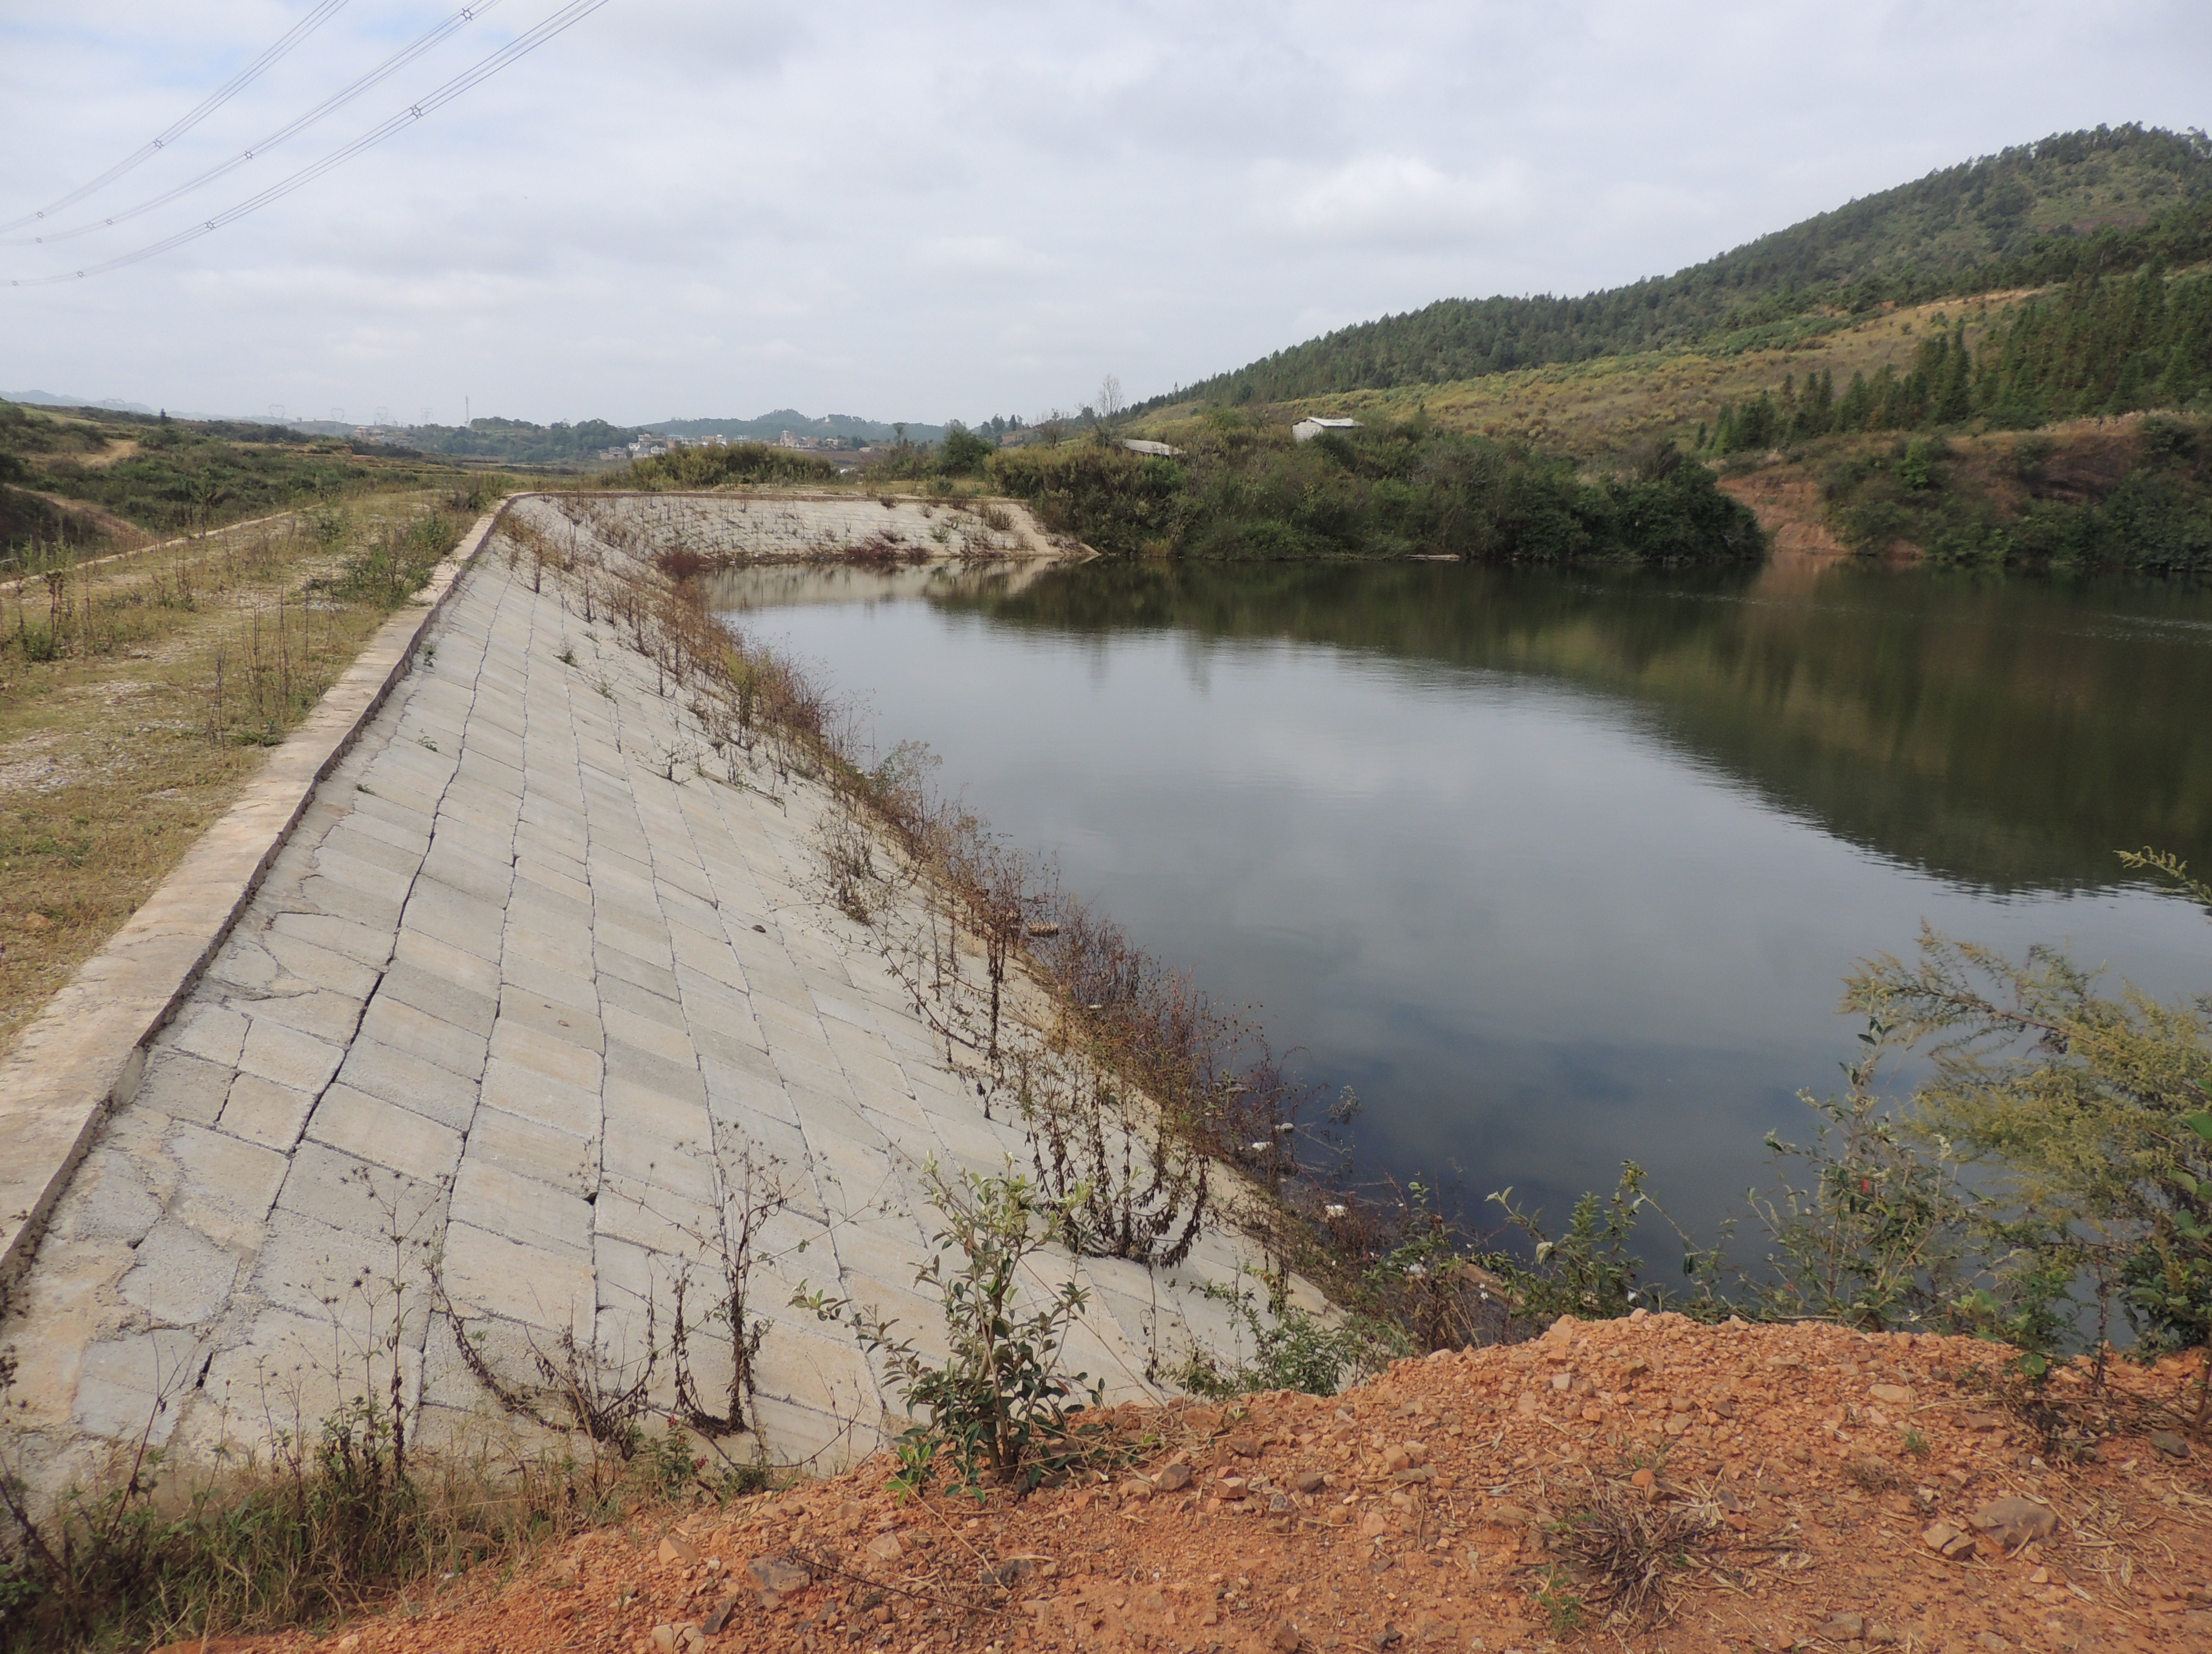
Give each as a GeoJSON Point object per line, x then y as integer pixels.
{"type": "Point", "coordinates": [87, 477]}
{"type": "Point", "coordinates": [144, 674]}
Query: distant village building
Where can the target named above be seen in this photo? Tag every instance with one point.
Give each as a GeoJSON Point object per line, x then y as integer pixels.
{"type": "Point", "coordinates": [648, 445]}
{"type": "Point", "coordinates": [1161, 449]}
{"type": "Point", "coordinates": [1306, 429]}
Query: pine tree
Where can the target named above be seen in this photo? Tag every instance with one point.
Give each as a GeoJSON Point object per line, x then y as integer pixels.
{"type": "Point", "coordinates": [1955, 400]}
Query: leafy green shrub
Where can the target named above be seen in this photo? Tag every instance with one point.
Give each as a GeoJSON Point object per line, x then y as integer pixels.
{"type": "Point", "coordinates": [1881, 1238]}
{"type": "Point", "coordinates": [963, 453]}
{"type": "Point", "coordinates": [394, 565]}
{"type": "Point", "coordinates": [1115, 499]}
{"type": "Point", "coordinates": [1671, 510]}
{"type": "Point", "coordinates": [1293, 1349]}
{"type": "Point", "coordinates": [1919, 469]}
{"type": "Point", "coordinates": [1592, 1270]}
{"type": "Point", "coordinates": [1001, 1398]}
{"type": "Point", "coordinates": [2089, 1114]}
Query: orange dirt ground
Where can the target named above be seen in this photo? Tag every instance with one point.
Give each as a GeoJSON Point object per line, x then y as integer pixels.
{"type": "Point", "coordinates": [1830, 1482]}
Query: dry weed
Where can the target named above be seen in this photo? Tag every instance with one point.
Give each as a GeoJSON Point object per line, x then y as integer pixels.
{"type": "Point", "coordinates": [1627, 1546]}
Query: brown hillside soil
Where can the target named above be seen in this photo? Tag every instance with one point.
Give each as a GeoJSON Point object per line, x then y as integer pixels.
{"type": "Point", "coordinates": [1789, 507]}
{"type": "Point", "coordinates": [1810, 1487]}
{"type": "Point", "coordinates": [2075, 462]}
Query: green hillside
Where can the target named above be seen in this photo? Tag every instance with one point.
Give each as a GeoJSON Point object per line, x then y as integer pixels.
{"type": "Point", "coordinates": [2075, 203]}
{"type": "Point", "coordinates": [83, 474]}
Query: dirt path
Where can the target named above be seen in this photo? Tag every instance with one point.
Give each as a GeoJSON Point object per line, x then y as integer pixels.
{"type": "Point", "coordinates": [119, 529]}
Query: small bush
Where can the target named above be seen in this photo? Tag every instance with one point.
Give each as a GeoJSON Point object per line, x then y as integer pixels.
{"type": "Point", "coordinates": [395, 564]}
{"type": "Point", "coordinates": [1002, 1399]}
{"type": "Point", "coordinates": [1293, 1349]}
{"type": "Point", "coordinates": [963, 453]}
{"type": "Point", "coordinates": [1591, 1270]}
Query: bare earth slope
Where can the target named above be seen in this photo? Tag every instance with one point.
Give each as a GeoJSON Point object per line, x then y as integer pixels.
{"type": "Point", "coordinates": [1828, 1489]}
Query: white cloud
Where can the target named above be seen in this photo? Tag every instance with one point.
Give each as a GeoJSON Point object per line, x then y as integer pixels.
{"type": "Point", "coordinates": [918, 210]}
{"type": "Point", "coordinates": [1393, 203]}
{"type": "Point", "coordinates": [998, 256]}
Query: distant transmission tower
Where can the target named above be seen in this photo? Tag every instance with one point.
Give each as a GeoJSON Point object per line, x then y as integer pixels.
{"type": "Point", "coordinates": [384, 415]}
{"type": "Point", "coordinates": [338, 416]}
{"type": "Point", "coordinates": [276, 411]}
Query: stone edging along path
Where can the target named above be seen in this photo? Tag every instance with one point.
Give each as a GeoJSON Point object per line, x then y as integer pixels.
{"type": "Point", "coordinates": [86, 1051]}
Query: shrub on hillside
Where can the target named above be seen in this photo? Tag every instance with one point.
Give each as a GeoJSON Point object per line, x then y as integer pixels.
{"type": "Point", "coordinates": [1111, 499]}
{"type": "Point", "coordinates": [1247, 492]}
{"type": "Point", "coordinates": [720, 467]}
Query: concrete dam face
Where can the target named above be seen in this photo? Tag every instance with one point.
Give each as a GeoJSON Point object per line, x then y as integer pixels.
{"type": "Point", "coordinates": [542, 993]}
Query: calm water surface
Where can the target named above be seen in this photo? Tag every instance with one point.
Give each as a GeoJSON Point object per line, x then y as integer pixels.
{"type": "Point", "coordinates": [1555, 869]}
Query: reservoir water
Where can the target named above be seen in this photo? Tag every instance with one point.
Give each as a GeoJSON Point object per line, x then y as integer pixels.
{"type": "Point", "coordinates": [1555, 869]}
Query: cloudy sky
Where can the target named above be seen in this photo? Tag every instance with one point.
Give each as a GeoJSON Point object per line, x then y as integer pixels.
{"type": "Point", "coordinates": [923, 210]}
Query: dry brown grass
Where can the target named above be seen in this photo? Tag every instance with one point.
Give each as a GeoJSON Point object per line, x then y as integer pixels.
{"type": "Point", "coordinates": [1626, 1546]}
{"type": "Point", "coordinates": [115, 749]}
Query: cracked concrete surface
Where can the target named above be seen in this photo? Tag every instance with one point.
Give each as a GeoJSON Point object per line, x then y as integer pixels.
{"type": "Point", "coordinates": [515, 999]}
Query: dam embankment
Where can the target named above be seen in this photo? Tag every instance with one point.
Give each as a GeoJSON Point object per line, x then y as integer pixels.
{"type": "Point", "coordinates": [539, 978]}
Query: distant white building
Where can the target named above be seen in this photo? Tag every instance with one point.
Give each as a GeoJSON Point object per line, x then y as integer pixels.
{"type": "Point", "coordinates": [1306, 429]}
{"type": "Point", "coordinates": [1160, 450]}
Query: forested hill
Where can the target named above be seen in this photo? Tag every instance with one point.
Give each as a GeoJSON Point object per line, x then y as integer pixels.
{"type": "Point", "coordinates": [2107, 199]}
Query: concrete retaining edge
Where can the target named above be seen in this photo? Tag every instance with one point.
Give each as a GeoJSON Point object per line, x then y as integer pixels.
{"type": "Point", "coordinates": [85, 1052]}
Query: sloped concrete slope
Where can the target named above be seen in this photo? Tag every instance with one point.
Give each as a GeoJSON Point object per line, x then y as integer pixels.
{"type": "Point", "coordinates": [521, 995]}
{"type": "Point", "coordinates": [788, 526]}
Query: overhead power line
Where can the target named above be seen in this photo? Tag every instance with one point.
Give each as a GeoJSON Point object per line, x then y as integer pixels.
{"type": "Point", "coordinates": [337, 101]}
{"type": "Point", "coordinates": [520, 47]}
{"type": "Point", "coordinates": [222, 94]}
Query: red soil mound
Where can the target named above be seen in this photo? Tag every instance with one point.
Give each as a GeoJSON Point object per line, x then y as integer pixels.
{"type": "Point", "coordinates": [1786, 1487]}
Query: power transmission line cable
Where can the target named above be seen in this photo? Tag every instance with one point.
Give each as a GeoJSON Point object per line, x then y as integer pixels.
{"type": "Point", "coordinates": [376, 76]}
{"type": "Point", "coordinates": [520, 47]}
{"type": "Point", "coordinates": [221, 95]}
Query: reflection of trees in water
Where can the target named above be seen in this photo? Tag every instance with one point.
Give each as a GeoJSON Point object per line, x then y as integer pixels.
{"type": "Point", "coordinates": [2005, 734]}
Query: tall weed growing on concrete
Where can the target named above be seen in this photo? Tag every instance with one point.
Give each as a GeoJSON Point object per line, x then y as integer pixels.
{"type": "Point", "coordinates": [1001, 1400]}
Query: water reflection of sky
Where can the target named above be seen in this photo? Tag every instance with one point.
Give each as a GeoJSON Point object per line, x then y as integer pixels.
{"type": "Point", "coordinates": [1535, 933]}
